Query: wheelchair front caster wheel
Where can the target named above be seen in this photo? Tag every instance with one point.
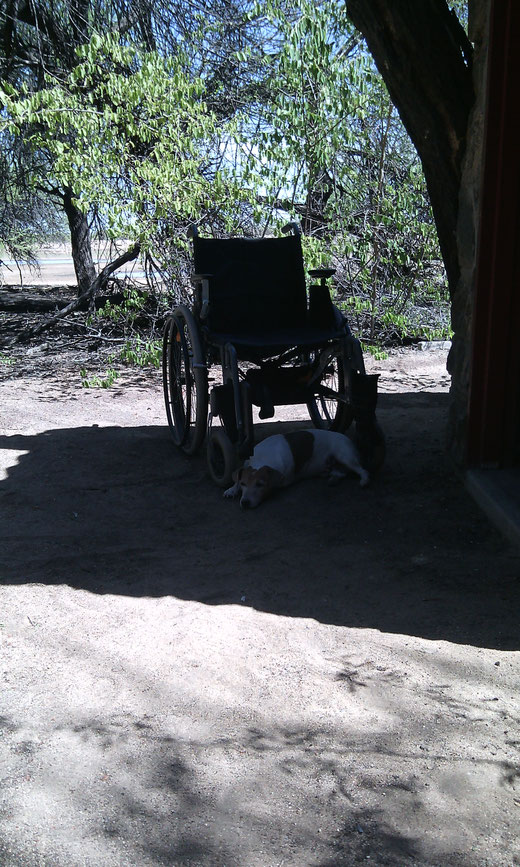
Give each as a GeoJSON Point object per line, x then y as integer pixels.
{"type": "Point", "coordinates": [222, 457]}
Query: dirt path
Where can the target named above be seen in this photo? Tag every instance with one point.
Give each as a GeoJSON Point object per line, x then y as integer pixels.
{"type": "Point", "coordinates": [329, 680]}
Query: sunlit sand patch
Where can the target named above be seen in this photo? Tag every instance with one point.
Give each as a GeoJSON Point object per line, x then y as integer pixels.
{"type": "Point", "coordinates": [10, 458]}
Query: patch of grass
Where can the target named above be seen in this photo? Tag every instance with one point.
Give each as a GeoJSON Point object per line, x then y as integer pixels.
{"type": "Point", "coordinates": [98, 381]}
{"type": "Point", "coordinates": [377, 353]}
{"type": "Point", "coordinates": [136, 353]}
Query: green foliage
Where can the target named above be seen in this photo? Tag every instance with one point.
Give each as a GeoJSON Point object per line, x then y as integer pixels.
{"type": "Point", "coordinates": [98, 381]}
{"type": "Point", "coordinates": [127, 312]}
{"type": "Point", "coordinates": [142, 353]}
{"type": "Point", "coordinates": [376, 352]}
{"type": "Point", "coordinates": [332, 150]}
{"type": "Point", "coordinates": [130, 133]}
{"type": "Point", "coordinates": [135, 352]}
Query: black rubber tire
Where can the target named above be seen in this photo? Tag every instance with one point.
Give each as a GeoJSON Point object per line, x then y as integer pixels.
{"type": "Point", "coordinates": [222, 457]}
{"type": "Point", "coordinates": [185, 381]}
{"type": "Point", "coordinates": [328, 413]}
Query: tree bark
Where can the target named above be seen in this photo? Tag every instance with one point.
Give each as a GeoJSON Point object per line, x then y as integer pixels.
{"type": "Point", "coordinates": [424, 57]}
{"type": "Point", "coordinates": [27, 302]}
{"type": "Point", "coordinates": [80, 242]}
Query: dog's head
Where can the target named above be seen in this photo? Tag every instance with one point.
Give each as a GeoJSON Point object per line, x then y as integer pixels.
{"type": "Point", "coordinates": [256, 485]}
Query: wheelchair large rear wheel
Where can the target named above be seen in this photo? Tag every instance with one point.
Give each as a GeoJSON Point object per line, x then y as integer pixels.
{"type": "Point", "coordinates": [328, 408]}
{"type": "Point", "coordinates": [185, 381]}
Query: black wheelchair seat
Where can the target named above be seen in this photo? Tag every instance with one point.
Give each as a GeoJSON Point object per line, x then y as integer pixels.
{"type": "Point", "coordinates": [273, 341]}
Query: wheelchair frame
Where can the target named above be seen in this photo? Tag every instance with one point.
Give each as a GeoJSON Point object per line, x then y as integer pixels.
{"type": "Point", "coordinates": [316, 372]}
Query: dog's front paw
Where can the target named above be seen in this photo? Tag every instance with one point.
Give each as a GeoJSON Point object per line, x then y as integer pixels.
{"type": "Point", "coordinates": [232, 492]}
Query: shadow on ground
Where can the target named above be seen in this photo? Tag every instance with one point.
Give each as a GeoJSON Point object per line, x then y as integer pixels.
{"type": "Point", "coordinates": [152, 798]}
{"type": "Point", "coordinates": [119, 510]}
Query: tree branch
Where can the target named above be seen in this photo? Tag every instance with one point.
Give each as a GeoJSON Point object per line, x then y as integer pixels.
{"type": "Point", "coordinates": [85, 297]}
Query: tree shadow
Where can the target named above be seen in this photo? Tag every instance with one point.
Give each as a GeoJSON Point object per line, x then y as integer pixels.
{"type": "Point", "coordinates": [149, 794]}
{"type": "Point", "coordinates": [119, 510]}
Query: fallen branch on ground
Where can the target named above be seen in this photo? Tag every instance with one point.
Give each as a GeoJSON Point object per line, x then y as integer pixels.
{"type": "Point", "coordinates": [85, 298]}
{"type": "Point", "coordinates": [26, 302]}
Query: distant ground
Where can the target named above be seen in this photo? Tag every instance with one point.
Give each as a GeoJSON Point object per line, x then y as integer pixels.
{"type": "Point", "coordinates": [330, 680]}
{"type": "Point", "coordinates": [56, 267]}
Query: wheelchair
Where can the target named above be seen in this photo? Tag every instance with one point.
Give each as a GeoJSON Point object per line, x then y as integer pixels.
{"type": "Point", "coordinates": [255, 337]}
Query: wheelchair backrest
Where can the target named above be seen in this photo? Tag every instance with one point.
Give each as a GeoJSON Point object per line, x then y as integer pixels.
{"type": "Point", "coordinates": [257, 284]}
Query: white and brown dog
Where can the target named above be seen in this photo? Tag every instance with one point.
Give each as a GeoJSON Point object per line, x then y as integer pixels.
{"type": "Point", "coordinates": [282, 459]}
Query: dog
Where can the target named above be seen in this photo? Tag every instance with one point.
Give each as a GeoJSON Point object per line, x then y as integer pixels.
{"type": "Point", "coordinates": [282, 459]}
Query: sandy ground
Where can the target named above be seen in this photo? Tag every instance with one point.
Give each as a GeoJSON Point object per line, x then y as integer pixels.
{"type": "Point", "coordinates": [331, 679]}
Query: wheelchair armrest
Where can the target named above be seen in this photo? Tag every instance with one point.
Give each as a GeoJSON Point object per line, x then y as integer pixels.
{"type": "Point", "coordinates": [199, 278]}
{"type": "Point", "coordinates": [203, 281]}
{"type": "Point", "coordinates": [293, 227]}
{"type": "Point", "coordinates": [322, 273]}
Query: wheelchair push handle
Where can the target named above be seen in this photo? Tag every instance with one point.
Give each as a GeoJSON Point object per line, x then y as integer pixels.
{"type": "Point", "coordinates": [293, 227]}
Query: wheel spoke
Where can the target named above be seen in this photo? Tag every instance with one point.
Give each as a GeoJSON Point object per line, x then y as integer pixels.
{"type": "Point", "coordinates": [330, 408]}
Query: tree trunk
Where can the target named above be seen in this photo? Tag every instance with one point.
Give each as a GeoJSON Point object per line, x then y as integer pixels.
{"type": "Point", "coordinates": [424, 57]}
{"type": "Point", "coordinates": [81, 243]}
